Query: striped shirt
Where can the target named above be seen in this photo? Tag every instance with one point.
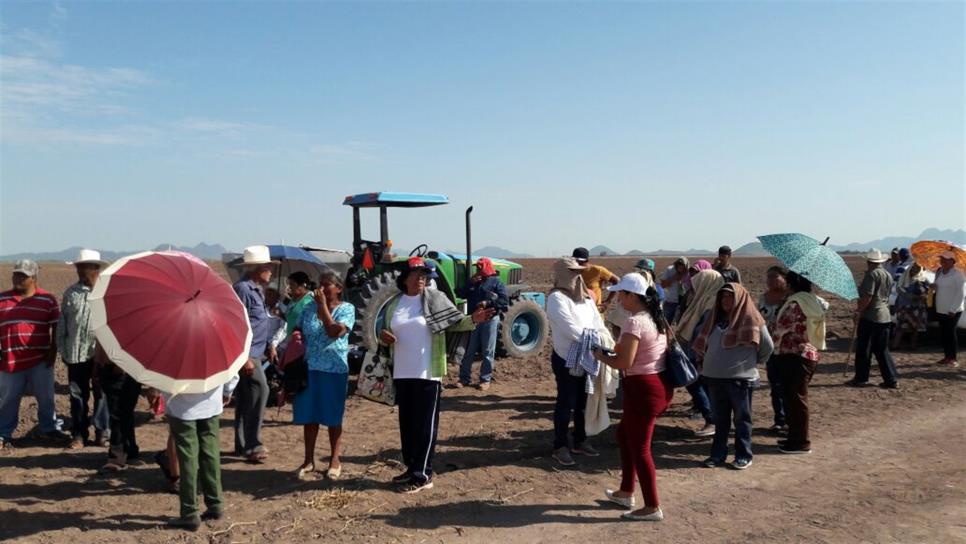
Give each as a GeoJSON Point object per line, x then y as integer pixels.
{"type": "Point", "coordinates": [25, 329]}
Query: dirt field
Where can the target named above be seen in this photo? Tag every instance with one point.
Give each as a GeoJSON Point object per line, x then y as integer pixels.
{"type": "Point", "coordinates": [887, 466]}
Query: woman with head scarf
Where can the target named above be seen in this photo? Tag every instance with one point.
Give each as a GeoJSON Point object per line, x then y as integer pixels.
{"type": "Point", "coordinates": [911, 312]}
{"type": "Point", "coordinates": [705, 285]}
{"type": "Point", "coordinates": [732, 342]}
{"type": "Point", "coordinates": [570, 309]}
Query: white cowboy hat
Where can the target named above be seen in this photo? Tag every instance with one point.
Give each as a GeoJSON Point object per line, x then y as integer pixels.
{"type": "Point", "coordinates": [257, 255]}
{"type": "Point", "coordinates": [88, 256]}
{"type": "Point", "coordinates": [876, 256]}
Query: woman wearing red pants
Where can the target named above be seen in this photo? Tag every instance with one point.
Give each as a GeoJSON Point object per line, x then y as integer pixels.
{"type": "Point", "coordinates": [640, 354]}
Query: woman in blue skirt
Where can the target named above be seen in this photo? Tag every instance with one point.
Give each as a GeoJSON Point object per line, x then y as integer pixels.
{"type": "Point", "coordinates": [325, 324]}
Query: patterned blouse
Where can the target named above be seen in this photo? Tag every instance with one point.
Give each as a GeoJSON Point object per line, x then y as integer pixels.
{"type": "Point", "coordinates": [323, 353]}
{"type": "Point", "coordinates": [791, 334]}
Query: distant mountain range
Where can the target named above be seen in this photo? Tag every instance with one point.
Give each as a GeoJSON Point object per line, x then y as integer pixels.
{"type": "Point", "coordinates": [211, 252]}
{"type": "Point", "coordinates": [752, 249]}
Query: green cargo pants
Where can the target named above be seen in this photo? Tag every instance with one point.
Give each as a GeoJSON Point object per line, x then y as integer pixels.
{"type": "Point", "coordinates": [199, 458]}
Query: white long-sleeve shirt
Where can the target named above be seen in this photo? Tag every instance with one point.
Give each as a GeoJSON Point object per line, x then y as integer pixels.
{"type": "Point", "coordinates": [568, 320]}
{"type": "Point", "coordinates": [950, 291]}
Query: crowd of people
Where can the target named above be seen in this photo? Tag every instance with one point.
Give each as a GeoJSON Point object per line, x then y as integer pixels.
{"type": "Point", "coordinates": [605, 330]}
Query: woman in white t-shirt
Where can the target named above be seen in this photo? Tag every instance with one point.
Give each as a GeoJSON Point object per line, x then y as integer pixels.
{"type": "Point", "coordinates": [570, 310]}
{"type": "Point", "coordinates": [640, 353]}
{"type": "Point", "coordinates": [950, 286]}
{"type": "Point", "coordinates": [419, 364]}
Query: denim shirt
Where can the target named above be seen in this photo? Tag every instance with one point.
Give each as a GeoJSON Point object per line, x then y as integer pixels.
{"type": "Point", "coordinates": [251, 297]}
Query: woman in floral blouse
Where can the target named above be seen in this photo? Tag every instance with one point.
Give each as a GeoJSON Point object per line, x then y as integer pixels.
{"type": "Point", "coordinates": [799, 335]}
{"type": "Point", "coordinates": [326, 322]}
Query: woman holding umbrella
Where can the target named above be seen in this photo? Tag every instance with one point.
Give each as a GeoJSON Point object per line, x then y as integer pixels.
{"type": "Point", "coordinates": [799, 334]}
{"type": "Point", "coordinates": [950, 287]}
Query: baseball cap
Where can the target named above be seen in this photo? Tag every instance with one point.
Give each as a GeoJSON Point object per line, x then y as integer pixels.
{"type": "Point", "coordinates": [26, 267]}
{"type": "Point", "coordinates": [417, 263]}
{"type": "Point", "coordinates": [581, 254]}
{"type": "Point", "coordinates": [632, 283]}
{"type": "Point", "coordinates": [645, 264]}
{"type": "Point", "coordinates": [431, 272]}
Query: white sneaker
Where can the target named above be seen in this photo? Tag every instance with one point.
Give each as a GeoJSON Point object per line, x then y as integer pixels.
{"type": "Point", "coordinates": [657, 515]}
{"type": "Point", "coordinates": [626, 502]}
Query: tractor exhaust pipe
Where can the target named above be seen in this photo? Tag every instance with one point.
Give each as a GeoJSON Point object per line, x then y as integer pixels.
{"type": "Point", "coordinates": [469, 247]}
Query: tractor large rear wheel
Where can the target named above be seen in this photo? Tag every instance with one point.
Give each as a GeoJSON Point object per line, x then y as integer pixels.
{"type": "Point", "coordinates": [524, 329]}
{"type": "Point", "coordinates": [373, 299]}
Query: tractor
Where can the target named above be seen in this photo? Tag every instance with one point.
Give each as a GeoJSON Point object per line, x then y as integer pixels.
{"type": "Point", "coordinates": [373, 269]}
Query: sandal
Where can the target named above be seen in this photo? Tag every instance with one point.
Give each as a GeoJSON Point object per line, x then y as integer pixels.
{"type": "Point", "coordinates": [334, 473]}
{"type": "Point", "coordinates": [304, 471]}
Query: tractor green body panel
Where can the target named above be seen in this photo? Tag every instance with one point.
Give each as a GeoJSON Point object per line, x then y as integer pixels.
{"type": "Point", "coordinates": [451, 270]}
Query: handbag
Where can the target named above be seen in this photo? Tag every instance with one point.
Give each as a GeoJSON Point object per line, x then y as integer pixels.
{"type": "Point", "coordinates": [296, 378]}
{"type": "Point", "coordinates": [679, 370]}
{"type": "Point", "coordinates": [375, 378]}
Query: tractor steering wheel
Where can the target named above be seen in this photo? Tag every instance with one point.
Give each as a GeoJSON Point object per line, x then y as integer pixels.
{"type": "Point", "coordinates": [419, 251]}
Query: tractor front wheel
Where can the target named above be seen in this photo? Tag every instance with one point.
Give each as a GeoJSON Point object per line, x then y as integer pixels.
{"type": "Point", "coordinates": [371, 303]}
{"type": "Point", "coordinates": [524, 329]}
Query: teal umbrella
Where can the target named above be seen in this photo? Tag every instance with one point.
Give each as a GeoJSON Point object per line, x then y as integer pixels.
{"type": "Point", "coordinates": [814, 261]}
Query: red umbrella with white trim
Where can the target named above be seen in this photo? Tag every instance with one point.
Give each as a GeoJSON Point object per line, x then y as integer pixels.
{"type": "Point", "coordinates": [170, 322]}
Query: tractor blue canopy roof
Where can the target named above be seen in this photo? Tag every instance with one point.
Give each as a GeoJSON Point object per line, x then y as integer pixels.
{"type": "Point", "coordinates": [394, 200]}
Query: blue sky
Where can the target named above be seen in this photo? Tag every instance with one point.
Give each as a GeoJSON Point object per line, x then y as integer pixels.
{"type": "Point", "coordinates": [636, 125]}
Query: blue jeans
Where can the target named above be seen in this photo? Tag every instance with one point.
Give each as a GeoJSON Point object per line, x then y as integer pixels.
{"type": "Point", "coordinates": [483, 338]}
{"type": "Point", "coordinates": [700, 400]}
{"type": "Point", "coordinates": [12, 385]}
{"type": "Point", "coordinates": [729, 396]}
{"type": "Point", "coordinates": [775, 389]}
{"type": "Point", "coordinates": [80, 385]}
{"type": "Point", "coordinates": [571, 400]}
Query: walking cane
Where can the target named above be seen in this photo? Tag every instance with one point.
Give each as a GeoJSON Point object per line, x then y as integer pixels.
{"type": "Point", "coordinates": [848, 357]}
